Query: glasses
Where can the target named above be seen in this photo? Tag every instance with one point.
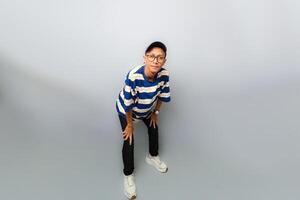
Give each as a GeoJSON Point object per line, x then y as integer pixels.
{"type": "Point", "coordinates": [152, 57]}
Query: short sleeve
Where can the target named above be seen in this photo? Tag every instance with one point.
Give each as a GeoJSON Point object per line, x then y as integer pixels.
{"type": "Point", "coordinates": [165, 91]}
{"type": "Point", "coordinates": [129, 94]}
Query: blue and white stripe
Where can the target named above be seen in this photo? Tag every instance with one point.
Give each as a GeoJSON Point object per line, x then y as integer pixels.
{"type": "Point", "coordinates": [140, 95]}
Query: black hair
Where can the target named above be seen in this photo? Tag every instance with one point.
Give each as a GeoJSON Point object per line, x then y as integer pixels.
{"type": "Point", "coordinates": [157, 44]}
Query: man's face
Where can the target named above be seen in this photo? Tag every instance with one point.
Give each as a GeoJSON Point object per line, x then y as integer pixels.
{"type": "Point", "coordinates": [154, 60]}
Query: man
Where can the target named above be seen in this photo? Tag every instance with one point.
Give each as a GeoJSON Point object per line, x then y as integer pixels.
{"type": "Point", "coordinates": [146, 87]}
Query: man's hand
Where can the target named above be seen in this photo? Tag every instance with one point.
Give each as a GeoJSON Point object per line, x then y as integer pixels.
{"type": "Point", "coordinates": [128, 133]}
{"type": "Point", "coordinates": [153, 120]}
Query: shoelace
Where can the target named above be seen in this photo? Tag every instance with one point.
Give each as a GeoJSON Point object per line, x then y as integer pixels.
{"type": "Point", "coordinates": [156, 158]}
{"type": "Point", "coordinates": [130, 180]}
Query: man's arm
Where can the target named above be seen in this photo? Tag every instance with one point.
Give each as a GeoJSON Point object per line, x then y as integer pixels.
{"type": "Point", "coordinates": [158, 104]}
{"type": "Point", "coordinates": [153, 116]}
{"type": "Point", "coordinates": [129, 118]}
{"type": "Point", "coordinates": [128, 132]}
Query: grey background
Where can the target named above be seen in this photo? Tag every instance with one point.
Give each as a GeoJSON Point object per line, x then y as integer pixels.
{"type": "Point", "coordinates": [230, 132]}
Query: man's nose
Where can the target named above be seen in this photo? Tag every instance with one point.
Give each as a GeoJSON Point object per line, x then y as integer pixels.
{"type": "Point", "coordinates": [155, 60]}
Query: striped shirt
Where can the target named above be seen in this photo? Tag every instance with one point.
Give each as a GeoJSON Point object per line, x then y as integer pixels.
{"type": "Point", "coordinates": [140, 95]}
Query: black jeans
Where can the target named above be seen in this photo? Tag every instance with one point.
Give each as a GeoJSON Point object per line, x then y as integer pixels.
{"type": "Point", "coordinates": [128, 150]}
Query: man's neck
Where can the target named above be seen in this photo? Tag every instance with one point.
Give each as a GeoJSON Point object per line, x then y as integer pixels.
{"type": "Point", "coordinates": [149, 75]}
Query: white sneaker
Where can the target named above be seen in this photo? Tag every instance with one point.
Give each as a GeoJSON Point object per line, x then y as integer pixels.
{"type": "Point", "coordinates": [129, 187]}
{"type": "Point", "coordinates": [157, 163]}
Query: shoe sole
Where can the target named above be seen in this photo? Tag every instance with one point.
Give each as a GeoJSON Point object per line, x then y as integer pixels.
{"type": "Point", "coordinates": [130, 198]}
{"type": "Point", "coordinates": [166, 170]}
{"type": "Point", "coordinates": [150, 163]}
